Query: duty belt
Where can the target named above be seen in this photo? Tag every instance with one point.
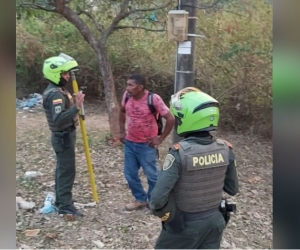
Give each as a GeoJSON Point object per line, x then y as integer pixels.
{"type": "Point", "coordinates": [67, 130]}
{"type": "Point", "coordinates": [189, 216]}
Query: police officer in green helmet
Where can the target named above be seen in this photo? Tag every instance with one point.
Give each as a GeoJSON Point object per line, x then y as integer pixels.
{"type": "Point", "coordinates": [62, 116]}
{"type": "Point", "coordinates": [195, 173]}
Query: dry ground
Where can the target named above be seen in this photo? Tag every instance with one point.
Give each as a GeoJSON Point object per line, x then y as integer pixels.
{"type": "Point", "coordinates": [107, 222]}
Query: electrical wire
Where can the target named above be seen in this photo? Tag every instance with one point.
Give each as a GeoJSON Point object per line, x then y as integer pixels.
{"type": "Point", "coordinates": [199, 7]}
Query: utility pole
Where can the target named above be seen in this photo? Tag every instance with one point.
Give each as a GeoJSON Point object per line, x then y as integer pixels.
{"type": "Point", "coordinates": [185, 56]}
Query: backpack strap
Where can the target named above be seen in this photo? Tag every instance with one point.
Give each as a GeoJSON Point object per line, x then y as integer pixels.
{"type": "Point", "coordinates": [150, 103]}
{"type": "Point", "coordinates": [126, 98]}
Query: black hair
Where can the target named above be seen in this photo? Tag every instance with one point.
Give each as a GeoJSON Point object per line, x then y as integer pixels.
{"type": "Point", "coordinates": [62, 82]}
{"type": "Point", "coordinates": [139, 79]}
{"type": "Point", "coordinates": [197, 134]}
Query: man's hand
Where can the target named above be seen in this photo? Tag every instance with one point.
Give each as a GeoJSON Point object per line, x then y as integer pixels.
{"type": "Point", "coordinates": [122, 120]}
{"type": "Point", "coordinates": [79, 99]}
{"type": "Point", "coordinates": [122, 136]}
{"type": "Point", "coordinates": [154, 141]}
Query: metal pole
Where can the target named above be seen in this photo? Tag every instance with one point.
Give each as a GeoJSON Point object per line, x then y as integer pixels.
{"type": "Point", "coordinates": [185, 63]}
{"type": "Point", "coordinates": [85, 141]}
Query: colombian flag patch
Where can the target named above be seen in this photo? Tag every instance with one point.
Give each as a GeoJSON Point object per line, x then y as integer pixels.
{"type": "Point", "coordinates": [57, 101]}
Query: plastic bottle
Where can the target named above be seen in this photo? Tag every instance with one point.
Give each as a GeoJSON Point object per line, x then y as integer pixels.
{"type": "Point", "coordinates": [50, 199]}
{"type": "Point", "coordinates": [48, 204]}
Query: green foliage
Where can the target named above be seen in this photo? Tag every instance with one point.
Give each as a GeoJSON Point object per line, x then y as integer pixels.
{"type": "Point", "coordinates": [56, 35]}
{"type": "Point", "coordinates": [39, 37]}
{"type": "Point", "coordinates": [233, 63]}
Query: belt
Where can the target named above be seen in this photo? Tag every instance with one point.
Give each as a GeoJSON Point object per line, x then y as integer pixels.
{"type": "Point", "coordinates": [68, 130]}
{"type": "Point", "coordinates": [191, 216]}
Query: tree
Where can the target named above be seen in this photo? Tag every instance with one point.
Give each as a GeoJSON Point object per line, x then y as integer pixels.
{"type": "Point", "coordinates": [96, 20]}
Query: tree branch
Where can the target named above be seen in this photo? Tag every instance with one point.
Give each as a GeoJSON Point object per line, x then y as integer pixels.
{"type": "Point", "coordinates": [152, 9]}
{"type": "Point", "coordinates": [234, 13]}
{"type": "Point", "coordinates": [98, 27]}
{"type": "Point", "coordinates": [136, 27]}
{"type": "Point", "coordinates": [36, 7]}
{"type": "Point", "coordinates": [202, 6]}
{"type": "Point", "coordinates": [122, 14]}
{"type": "Point", "coordinates": [73, 18]}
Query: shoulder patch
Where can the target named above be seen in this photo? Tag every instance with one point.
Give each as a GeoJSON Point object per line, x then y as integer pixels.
{"type": "Point", "coordinates": [57, 109]}
{"type": "Point", "coordinates": [57, 101]}
{"type": "Point", "coordinates": [176, 146]}
{"type": "Point", "coordinates": [168, 161]}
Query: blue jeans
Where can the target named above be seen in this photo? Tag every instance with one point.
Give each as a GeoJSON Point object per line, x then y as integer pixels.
{"type": "Point", "coordinates": [138, 155]}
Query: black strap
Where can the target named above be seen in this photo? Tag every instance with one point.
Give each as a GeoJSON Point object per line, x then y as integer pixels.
{"type": "Point", "coordinates": [126, 97]}
{"type": "Point", "coordinates": [149, 102]}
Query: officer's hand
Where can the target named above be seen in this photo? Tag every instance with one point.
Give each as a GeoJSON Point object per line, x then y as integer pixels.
{"type": "Point", "coordinates": [79, 98]}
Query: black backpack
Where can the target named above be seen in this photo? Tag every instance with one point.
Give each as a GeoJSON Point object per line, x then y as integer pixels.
{"type": "Point", "coordinates": [153, 111]}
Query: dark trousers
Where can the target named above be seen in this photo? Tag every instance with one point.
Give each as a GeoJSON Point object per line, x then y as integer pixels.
{"type": "Point", "coordinates": [204, 233]}
{"type": "Point", "coordinates": [63, 144]}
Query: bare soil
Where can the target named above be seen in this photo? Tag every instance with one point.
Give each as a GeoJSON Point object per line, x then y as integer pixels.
{"type": "Point", "coordinates": [107, 222]}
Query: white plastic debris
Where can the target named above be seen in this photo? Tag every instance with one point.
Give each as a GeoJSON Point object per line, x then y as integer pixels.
{"type": "Point", "coordinates": [98, 244]}
{"type": "Point", "coordinates": [32, 174]}
{"type": "Point", "coordinates": [81, 205]}
{"type": "Point", "coordinates": [23, 246]}
{"type": "Point", "coordinates": [20, 203]}
{"type": "Point", "coordinates": [225, 244]}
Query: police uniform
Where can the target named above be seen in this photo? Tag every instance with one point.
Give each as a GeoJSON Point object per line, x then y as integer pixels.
{"type": "Point", "coordinates": [190, 184]}
{"type": "Point", "coordinates": [62, 118]}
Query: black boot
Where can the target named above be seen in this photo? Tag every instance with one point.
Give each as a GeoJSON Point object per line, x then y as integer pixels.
{"type": "Point", "coordinates": [70, 210]}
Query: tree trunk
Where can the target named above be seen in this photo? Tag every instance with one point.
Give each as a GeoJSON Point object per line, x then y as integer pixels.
{"type": "Point", "coordinates": [111, 100]}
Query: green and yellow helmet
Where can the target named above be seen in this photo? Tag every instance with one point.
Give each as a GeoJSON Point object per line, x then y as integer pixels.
{"type": "Point", "coordinates": [194, 111]}
{"type": "Point", "coordinates": [56, 65]}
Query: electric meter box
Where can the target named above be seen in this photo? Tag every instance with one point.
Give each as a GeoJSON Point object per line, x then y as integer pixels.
{"type": "Point", "coordinates": [177, 25]}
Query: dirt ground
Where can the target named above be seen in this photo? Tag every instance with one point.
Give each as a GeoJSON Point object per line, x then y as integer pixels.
{"type": "Point", "coordinates": [107, 224]}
